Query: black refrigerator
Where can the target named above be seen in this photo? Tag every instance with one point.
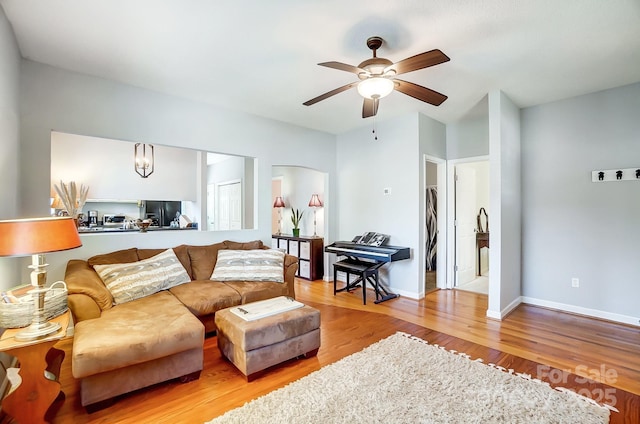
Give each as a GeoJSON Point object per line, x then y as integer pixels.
{"type": "Point", "coordinates": [163, 211]}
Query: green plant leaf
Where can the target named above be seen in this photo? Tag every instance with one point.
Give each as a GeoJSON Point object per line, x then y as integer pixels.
{"type": "Point", "coordinates": [296, 217]}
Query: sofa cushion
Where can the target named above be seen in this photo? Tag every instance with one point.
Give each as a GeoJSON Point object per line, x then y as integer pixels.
{"type": "Point", "coordinates": [249, 265]}
{"type": "Point", "coordinates": [203, 259]}
{"type": "Point", "coordinates": [149, 253]}
{"type": "Point", "coordinates": [204, 297]}
{"type": "Point", "coordinates": [182, 252]}
{"type": "Point", "coordinates": [130, 281]}
{"type": "Point", "coordinates": [117, 257]}
{"type": "Point", "coordinates": [238, 245]}
{"type": "Point", "coordinates": [252, 291]}
{"type": "Point", "coordinates": [82, 279]}
{"type": "Point", "coordinates": [136, 332]}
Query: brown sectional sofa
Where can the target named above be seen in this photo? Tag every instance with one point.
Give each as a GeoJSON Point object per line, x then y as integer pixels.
{"type": "Point", "coordinates": [125, 347]}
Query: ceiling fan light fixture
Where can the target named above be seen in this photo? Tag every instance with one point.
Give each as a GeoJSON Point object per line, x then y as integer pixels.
{"type": "Point", "coordinates": [375, 87]}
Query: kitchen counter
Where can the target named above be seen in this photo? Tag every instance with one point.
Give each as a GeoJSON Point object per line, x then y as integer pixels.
{"type": "Point", "coordinates": [100, 230]}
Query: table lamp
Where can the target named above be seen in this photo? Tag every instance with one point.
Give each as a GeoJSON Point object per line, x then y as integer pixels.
{"type": "Point", "coordinates": [315, 203]}
{"type": "Point", "coordinates": [279, 203]}
{"type": "Point", "coordinates": [35, 237]}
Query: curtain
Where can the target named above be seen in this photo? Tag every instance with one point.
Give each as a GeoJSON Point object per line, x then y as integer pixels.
{"type": "Point", "coordinates": [431, 223]}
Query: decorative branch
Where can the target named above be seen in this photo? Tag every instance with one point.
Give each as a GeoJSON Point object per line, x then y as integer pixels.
{"type": "Point", "coordinates": [70, 198]}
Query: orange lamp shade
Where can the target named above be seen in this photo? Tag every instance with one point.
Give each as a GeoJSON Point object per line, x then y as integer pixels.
{"type": "Point", "coordinates": [23, 237]}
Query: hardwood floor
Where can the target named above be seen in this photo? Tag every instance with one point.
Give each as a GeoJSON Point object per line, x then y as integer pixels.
{"type": "Point", "coordinates": [529, 340]}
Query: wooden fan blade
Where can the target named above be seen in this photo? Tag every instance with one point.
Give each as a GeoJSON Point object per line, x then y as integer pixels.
{"type": "Point", "coordinates": [419, 92]}
{"type": "Point", "coordinates": [370, 107]}
{"type": "Point", "coordinates": [330, 93]}
{"type": "Point", "coordinates": [419, 61]}
{"type": "Point", "coordinates": [343, 67]}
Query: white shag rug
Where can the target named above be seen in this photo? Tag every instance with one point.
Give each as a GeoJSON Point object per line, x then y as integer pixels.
{"type": "Point", "coordinates": [404, 379]}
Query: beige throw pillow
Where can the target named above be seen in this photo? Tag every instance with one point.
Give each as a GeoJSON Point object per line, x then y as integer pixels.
{"type": "Point", "coordinates": [249, 265]}
{"type": "Point", "coordinates": [130, 281]}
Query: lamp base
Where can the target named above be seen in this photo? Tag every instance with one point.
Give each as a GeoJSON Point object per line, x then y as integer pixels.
{"type": "Point", "coordinates": [37, 330]}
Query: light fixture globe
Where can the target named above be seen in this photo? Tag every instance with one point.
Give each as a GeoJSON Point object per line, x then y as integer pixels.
{"type": "Point", "coordinates": [144, 162]}
{"type": "Point", "coordinates": [375, 87]}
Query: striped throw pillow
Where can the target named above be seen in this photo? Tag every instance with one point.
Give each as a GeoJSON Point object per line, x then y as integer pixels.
{"type": "Point", "coordinates": [249, 265]}
{"type": "Point", "coordinates": [130, 281]}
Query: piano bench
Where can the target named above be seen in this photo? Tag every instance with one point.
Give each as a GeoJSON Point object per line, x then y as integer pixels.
{"type": "Point", "coordinates": [364, 271]}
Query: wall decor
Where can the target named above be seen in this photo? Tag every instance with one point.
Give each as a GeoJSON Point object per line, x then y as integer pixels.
{"type": "Point", "coordinates": [620, 174]}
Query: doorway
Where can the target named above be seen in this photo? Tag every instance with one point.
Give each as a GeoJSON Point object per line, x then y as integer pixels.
{"type": "Point", "coordinates": [227, 206]}
{"type": "Point", "coordinates": [434, 223]}
{"type": "Point", "coordinates": [471, 211]}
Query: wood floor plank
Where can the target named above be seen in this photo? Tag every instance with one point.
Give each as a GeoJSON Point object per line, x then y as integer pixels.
{"type": "Point", "coordinates": [562, 340]}
{"type": "Point", "coordinates": [530, 340]}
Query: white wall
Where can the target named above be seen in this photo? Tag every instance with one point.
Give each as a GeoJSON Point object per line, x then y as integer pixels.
{"type": "Point", "coordinates": [366, 168]}
{"type": "Point", "coordinates": [468, 138]}
{"type": "Point", "coordinates": [9, 147]}
{"type": "Point", "coordinates": [9, 117]}
{"type": "Point", "coordinates": [9, 133]}
{"type": "Point", "coordinates": [107, 168]}
{"type": "Point", "coordinates": [571, 226]}
{"type": "Point", "coordinates": [506, 205]}
{"type": "Point", "coordinates": [298, 185]}
{"type": "Point", "coordinates": [55, 99]}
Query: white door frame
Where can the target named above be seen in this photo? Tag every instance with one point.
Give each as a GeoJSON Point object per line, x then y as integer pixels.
{"type": "Point", "coordinates": [441, 259]}
{"type": "Point", "coordinates": [451, 216]}
{"type": "Point", "coordinates": [211, 207]}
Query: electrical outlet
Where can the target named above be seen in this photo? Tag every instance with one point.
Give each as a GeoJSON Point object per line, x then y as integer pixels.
{"type": "Point", "coordinates": [575, 282]}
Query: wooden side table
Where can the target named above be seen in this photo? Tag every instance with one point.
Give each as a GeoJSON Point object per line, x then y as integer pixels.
{"type": "Point", "coordinates": [39, 369]}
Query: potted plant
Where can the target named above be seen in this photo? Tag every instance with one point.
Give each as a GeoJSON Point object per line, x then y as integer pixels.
{"type": "Point", "coordinates": [296, 217]}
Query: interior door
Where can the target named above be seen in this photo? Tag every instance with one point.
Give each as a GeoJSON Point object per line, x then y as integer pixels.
{"type": "Point", "coordinates": [229, 206]}
{"type": "Point", "coordinates": [235, 206]}
{"type": "Point", "coordinates": [465, 218]}
{"type": "Point", "coordinates": [223, 208]}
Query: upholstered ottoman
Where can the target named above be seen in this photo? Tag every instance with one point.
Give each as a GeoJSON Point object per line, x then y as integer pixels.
{"type": "Point", "coordinates": [253, 346]}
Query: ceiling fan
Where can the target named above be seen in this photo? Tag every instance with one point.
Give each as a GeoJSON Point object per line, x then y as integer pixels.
{"type": "Point", "coordinates": [378, 78]}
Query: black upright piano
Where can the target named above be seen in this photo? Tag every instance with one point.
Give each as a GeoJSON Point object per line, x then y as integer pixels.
{"type": "Point", "coordinates": [365, 261]}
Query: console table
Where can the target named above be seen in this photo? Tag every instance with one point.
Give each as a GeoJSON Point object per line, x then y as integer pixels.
{"type": "Point", "coordinates": [308, 250]}
{"type": "Point", "coordinates": [39, 369]}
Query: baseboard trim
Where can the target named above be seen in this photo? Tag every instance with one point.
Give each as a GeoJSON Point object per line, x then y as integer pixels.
{"type": "Point", "coordinates": [594, 313]}
{"type": "Point", "coordinates": [494, 315]}
{"type": "Point", "coordinates": [409, 294]}
{"type": "Point", "coordinates": [505, 311]}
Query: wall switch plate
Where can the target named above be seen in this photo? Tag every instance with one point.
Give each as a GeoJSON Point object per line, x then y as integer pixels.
{"type": "Point", "coordinates": [386, 191]}
{"type": "Point", "coordinates": [575, 282]}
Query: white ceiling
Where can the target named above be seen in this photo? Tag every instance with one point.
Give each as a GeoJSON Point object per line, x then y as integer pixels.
{"type": "Point", "coordinates": [261, 56]}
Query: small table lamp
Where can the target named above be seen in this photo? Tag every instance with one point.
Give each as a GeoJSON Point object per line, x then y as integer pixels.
{"type": "Point", "coordinates": [315, 203]}
{"type": "Point", "coordinates": [279, 203]}
{"type": "Point", "coordinates": [35, 237]}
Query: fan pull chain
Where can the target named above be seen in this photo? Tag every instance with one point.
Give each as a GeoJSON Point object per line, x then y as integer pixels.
{"type": "Point", "coordinates": [375, 136]}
